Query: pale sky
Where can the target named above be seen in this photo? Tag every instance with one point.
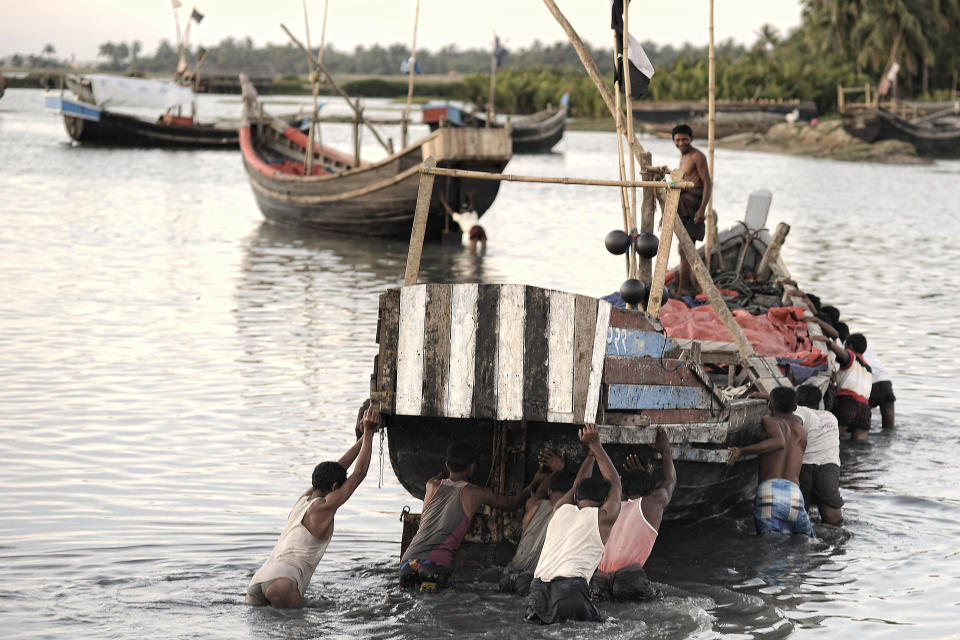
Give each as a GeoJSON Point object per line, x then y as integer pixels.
{"type": "Point", "coordinates": [78, 27]}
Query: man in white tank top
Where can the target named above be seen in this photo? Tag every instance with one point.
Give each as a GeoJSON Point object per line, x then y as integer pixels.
{"type": "Point", "coordinates": [581, 523]}
{"type": "Point", "coordinates": [282, 581]}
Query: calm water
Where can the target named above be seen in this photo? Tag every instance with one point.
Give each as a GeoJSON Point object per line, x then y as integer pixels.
{"type": "Point", "coordinates": [171, 368]}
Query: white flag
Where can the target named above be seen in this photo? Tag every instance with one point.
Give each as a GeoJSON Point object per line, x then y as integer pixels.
{"type": "Point", "coordinates": [176, 4]}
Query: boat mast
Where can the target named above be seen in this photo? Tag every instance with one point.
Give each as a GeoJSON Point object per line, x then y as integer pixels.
{"type": "Point", "coordinates": [315, 88]}
{"type": "Point", "coordinates": [412, 63]}
{"type": "Point", "coordinates": [631, 139]}
{"type": "Point", "coordinates": [711, 239]}
{"type": "Point", "coordinates": [493, 79]}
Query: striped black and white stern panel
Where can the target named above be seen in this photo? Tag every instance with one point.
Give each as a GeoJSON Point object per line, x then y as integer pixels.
{"type": "Point", "coordinates": [503, 352]}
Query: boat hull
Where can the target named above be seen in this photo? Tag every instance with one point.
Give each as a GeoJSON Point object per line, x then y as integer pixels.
{"type": "Point", "coordinates": [536, 133]}
{"type": "Point", "coordinates": [872, 124]}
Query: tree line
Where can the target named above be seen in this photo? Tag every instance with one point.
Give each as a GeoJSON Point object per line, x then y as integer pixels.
{"type": "Point", "coordinates": [849, 42]}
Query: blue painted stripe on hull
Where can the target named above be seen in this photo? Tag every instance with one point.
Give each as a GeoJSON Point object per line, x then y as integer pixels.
{"type": "Point", "coordinates": [635, 396]}
{"type": "Point", "coordinates": [636, 344]}
{"type": "Point", "coordinates": [71, 108]}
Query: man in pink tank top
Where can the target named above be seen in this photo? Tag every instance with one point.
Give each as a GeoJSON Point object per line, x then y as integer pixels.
{"type": "Point", "coordinates": [620, 575]}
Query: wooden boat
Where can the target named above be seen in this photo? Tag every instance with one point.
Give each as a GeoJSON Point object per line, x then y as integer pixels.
{"type": "Point", "coordinates": [933, 135]}
{"type": "Point", "coordinates": [731, 117]}
{"type": "Point", "coordinates": [92, 119]}
{"type": "Point", "coordinates": [513, 369]}
{"type": "Point", "coordinates": [346, 195]}
{"type": "Point", "coordinates": [535, 133]}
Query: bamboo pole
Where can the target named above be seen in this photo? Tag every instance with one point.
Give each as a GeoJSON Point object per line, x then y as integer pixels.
{"type": "Point", "coordinates": [624, 203]}
{"type": "Point", "coordinates": [493, 81]}
{"type": "Point", "coordinates": [419, 228]}
{"type": "Point", "coordinates": [773, 250]}
{"type": "Point", "coordinates": [647, 212]}
{"type": "Point", "coordinates": [669, 219]}
{"type": "Point", "coordinates": [711, 133]}
{"type": "Point", "coordinates": [413, 65]}
{"type": "Point", "coordinates": [840, 98]}
{"type": "Point", "coordinates": [309, 151]}
{"type": "Point", "coordinates": [591, 68]}
{"type": "Point", "coordinates": [336, 87]}
{"type": "Point", "coordinates": [631, 139]}
{"type": "Point", "coordinates": [506, 177]}
{"type": "Point", "coordinates": [323, 45]}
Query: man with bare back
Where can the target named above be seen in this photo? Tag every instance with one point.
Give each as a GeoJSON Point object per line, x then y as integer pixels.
{"type": "Point", "coordinates": [692, 208]}
{"type": "Point", "coordinates": [779, 507]}
{"type": "Point", "coordinates": [283, 579]}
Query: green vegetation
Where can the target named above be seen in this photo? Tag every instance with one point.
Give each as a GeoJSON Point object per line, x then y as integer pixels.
{"type": "Point", "coordinates": [849, 42]}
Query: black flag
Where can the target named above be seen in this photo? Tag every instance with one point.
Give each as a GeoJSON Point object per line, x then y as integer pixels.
{"type": "Point", "coordinates": [196, 15]}
{"type": "Point", "coordinates": [641, 70]}
{"type": "Point", "coordinates": [499, 52]}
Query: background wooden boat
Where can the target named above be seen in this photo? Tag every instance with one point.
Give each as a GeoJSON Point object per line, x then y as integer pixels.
{"type": "Point", "coordinates": [365, 198]}
{"type": "Point", "coordinates": [929, 138]}
{"type": "Point", "coordinates": [535, 133]}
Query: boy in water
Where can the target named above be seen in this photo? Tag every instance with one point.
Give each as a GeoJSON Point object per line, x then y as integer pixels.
{"type": "Point", "coordinates": [620, 575]}
{"type": "Point", "coordinates": [693, 202]}
{"type": "Point", "coordinates": [579, 528]}
{"type": "Point", "coordinates": [854, 384]}
{"type": "Point", "coordinates": [778, 507]}
{"type": "Point", "coordinates": [469, 222]}
{"type": "Point", "coordinates": [282, 581]}
{"type": "Point", "coordinates": [448, 507]}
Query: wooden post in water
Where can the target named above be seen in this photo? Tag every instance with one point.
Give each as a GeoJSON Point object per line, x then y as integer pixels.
{"type": "Point", "coordinates": [840, 98]}
{"type": "Point", "coordinates": [773, 250]}
{"type": "Point", "coordinates": [356, 133]}
{"type": "Point", "coordinates": [413, 65]}
{"type": "Point", "coordinates": [419, 228]}
{"type": "Point", "coordinates": [669, 219]}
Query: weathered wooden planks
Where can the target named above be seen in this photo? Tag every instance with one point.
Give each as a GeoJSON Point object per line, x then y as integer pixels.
{"type": "Point", "coordinates": [413, 301]}
{"type": "Point", "coordinates": [561, 355]}
{"type": "Point", "coordinates": [634, 343]}
{"type": "Point", "coordinates": [436, 350]}
{"type": "Point", "coordinates": [584, 334]}
{"type": "Point", "coordinates": [388, 327]}
{"type": "Point", "coordinates": [641, 396]}
{"type": "Point", "coordinates": [705, 432]}
{"type": "Point", "coordinates": [485, 365]}
{"type": "Point", "coordinates": [648, 371]}
{"type": "Point", "coordinates": [463, 348]}
{"type": "Point", "coordinates": [536, 352]}
{"type": "Point", "coordinates": [596, 364]}
{"type": "Point", "coordinates": [510, 353]}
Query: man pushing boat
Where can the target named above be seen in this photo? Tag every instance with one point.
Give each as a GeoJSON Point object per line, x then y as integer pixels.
{"type": "Point", "coordinates": [778, 507]}
{"type": "Point", "coordinates": [283, 579]}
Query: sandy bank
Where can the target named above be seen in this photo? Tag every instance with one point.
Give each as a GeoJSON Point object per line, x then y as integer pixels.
{"type": "Point", "coordinates": [823, 140]}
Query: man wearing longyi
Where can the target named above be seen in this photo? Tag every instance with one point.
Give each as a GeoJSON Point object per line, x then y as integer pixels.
{"type": "Point", "coordinates": [692, 208]}
{"type": "Point", "coordinates": [283, 579]}
{"type": "Point", "coordinates": [778, 507]}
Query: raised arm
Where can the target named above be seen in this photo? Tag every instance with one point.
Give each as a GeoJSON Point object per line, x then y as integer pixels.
{"type": "Point", "coordinates": [585, 471]}
{"type": "Point", "coordinates": [590, 436]}
{"type": "Point", "coordinates": [774, 442]}
{"type": "Point", "coordinates": [658, 499]}
{"type": "Point", "coordinates": [446, 205]}
{"type": "Point", "coordinates": [704, 171]}
{"type": "Point", "coordinates": [371, 418]}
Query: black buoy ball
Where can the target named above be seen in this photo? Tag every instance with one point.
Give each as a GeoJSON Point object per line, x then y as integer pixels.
{"type": "Point", "coordinates": [617, 242]}
{"type": "Point", "coordinates": [646, 245]}
{"type": "Point", "coordinates": [634, 291]}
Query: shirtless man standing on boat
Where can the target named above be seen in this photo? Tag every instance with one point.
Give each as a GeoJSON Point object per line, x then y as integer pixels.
{"type": "Point", "coordinates": [779, 507]}
{"type": "Point", "coordinates": [283, 579]}
{"type": "Point", "coordinates": [692, 207]}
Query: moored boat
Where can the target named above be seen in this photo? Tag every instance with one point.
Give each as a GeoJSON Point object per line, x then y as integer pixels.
{"type": "Point", "coordinates": [933, 135]}
{"type": "Point", "coordinates": [535, 133]}
{"type": "Point", "coordinates": [344, 194]}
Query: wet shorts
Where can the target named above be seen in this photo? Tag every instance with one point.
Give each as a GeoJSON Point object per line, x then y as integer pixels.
{"type": "Point", "coordinates": [881, 392]}
{"type": "Point", "coordinates": [852, 413]}
{"type": "Point", "coordinates": [477, 233]}
{"type": "Point", "coordinates": [779, 509]}
{"type": "Point", "coordinates": [515, 582]}
{"type": "Point", "coordinates": [423, 575]}
{"type": "Point", "coordinates": [820, 484]}
{"type": "Point", "coordinates": [560, 599]}
{"type": "Point", "coordinates": [629, 584]}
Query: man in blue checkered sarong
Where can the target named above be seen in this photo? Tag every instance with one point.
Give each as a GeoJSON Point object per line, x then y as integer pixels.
{"type": "Point", "coordinates": [778, 508]}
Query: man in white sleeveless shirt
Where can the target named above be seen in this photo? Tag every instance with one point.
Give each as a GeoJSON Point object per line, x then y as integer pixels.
{"type": "Point", "coordinates": [282, 581]}
{"type": "Point", "coordinates": [581, 523]}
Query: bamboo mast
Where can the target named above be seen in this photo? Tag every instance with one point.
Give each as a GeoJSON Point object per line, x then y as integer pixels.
{"type": "Point", "coordinates": [711, 132]}
{"type": "Point", "coordinates": [631, 139]}
{"type": "Point", "coordinates": [624, 201]}
{"type": "Point", "coordinates": [323, 45]}
{"type": "Point", "coordinates": [493, 80]}
{"type": "Point", "coordinates": [308, 152]}
{"type": "Point", "coordinates": [340, 91]}
{"type": "Point", "coordinates": [413, 64]}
